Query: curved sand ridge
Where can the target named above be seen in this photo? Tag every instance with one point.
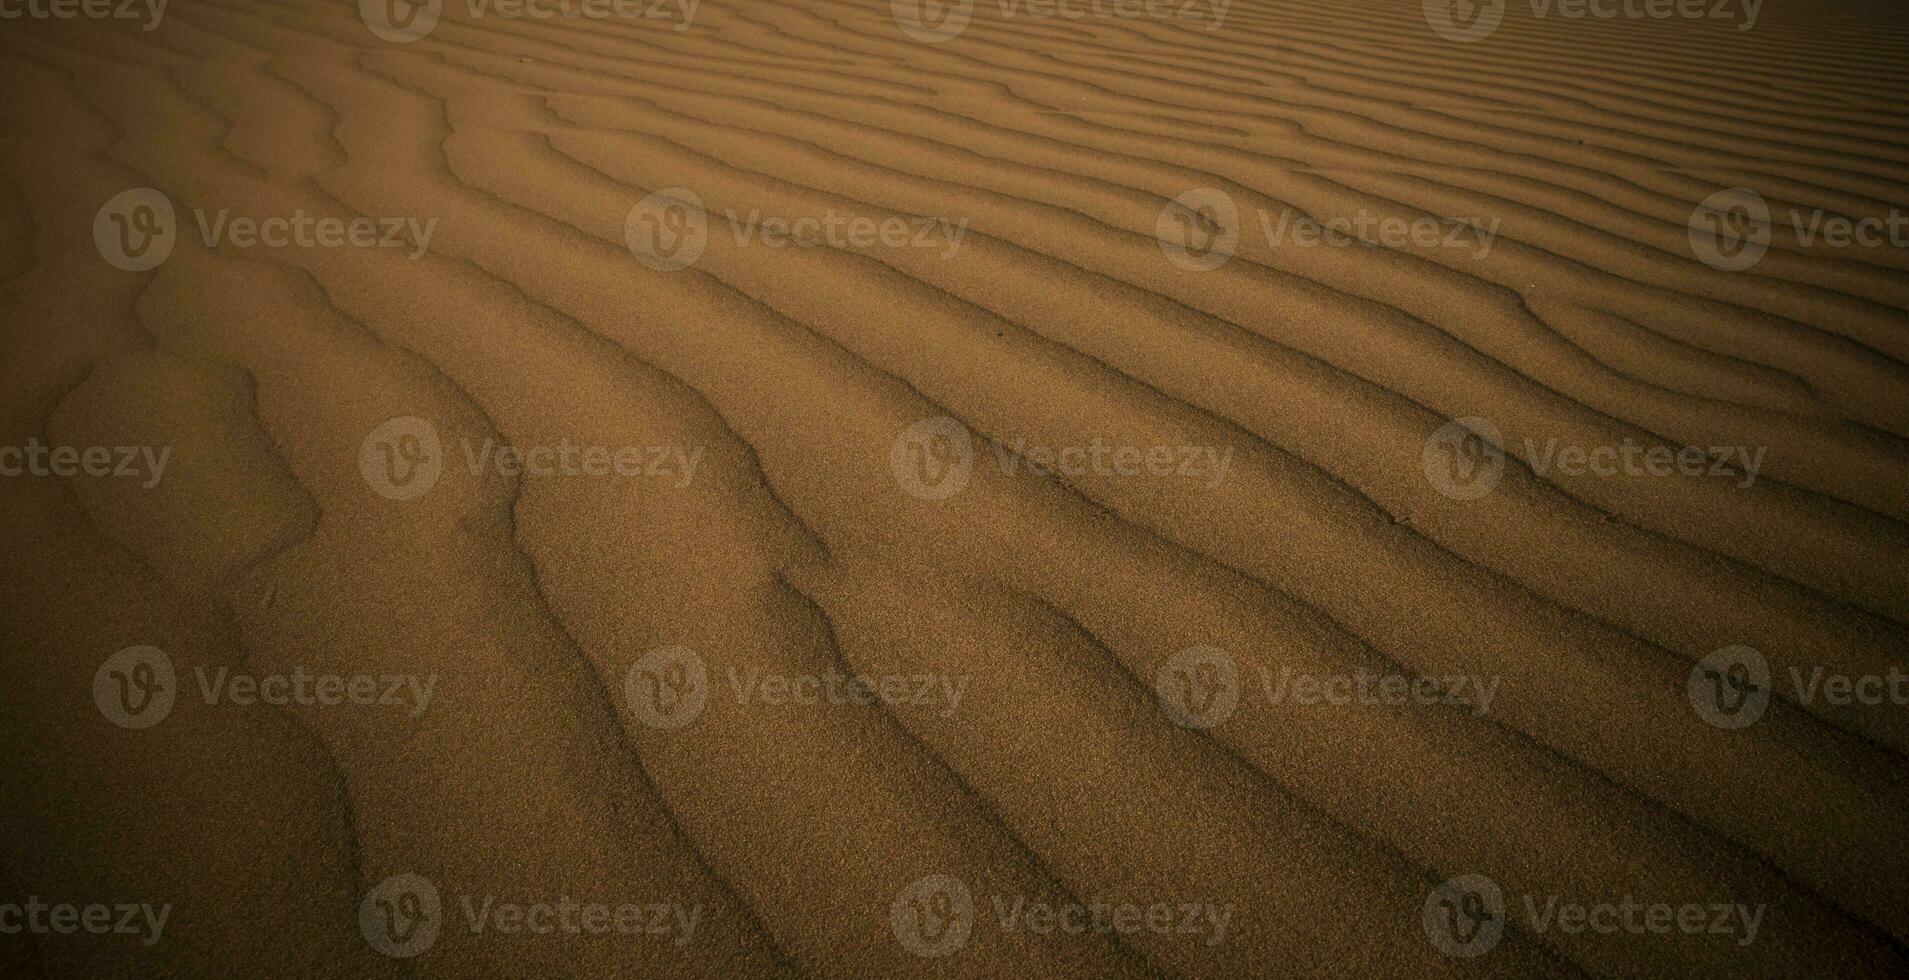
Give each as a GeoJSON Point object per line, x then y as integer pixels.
{"type": "Point", "coordinates": [795, 548]}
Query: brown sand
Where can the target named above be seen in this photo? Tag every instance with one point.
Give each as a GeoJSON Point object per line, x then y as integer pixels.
{"type": "Point", "coordinates": [796, 549]}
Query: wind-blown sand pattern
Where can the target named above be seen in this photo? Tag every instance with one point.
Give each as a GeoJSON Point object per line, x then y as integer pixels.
{"type": "Point", "coordinates": [583, 682]}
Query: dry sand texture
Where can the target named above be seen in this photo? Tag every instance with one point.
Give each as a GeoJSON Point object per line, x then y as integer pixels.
{"type": "Point", "coordinates": [848, 488]}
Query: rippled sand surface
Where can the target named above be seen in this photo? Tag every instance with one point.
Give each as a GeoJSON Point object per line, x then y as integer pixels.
{"type": "Point", "coordinates": [1338, 488]}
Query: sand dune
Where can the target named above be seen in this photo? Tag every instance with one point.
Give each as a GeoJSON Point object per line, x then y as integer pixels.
{"type": "Point", "coordinates": [1298, 485]}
